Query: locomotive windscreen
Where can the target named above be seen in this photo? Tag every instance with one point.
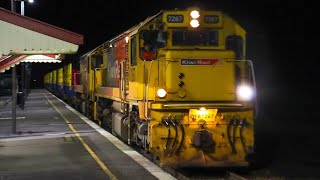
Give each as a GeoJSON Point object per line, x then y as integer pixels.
{"type": "Point", "coordinates": [195, 38]}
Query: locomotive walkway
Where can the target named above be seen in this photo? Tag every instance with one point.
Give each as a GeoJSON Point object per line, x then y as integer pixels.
{"type": "Point", "coordinates": [54, 141]}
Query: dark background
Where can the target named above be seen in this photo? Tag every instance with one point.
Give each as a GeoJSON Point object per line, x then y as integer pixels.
{"type": "Point", "coordinates": [279, 34]}
{"type": "Point", "coordinates": [281, 41]}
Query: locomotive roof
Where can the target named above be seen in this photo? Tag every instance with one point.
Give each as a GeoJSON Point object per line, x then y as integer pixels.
{"type": "Point", "coordinates": [124, 33]}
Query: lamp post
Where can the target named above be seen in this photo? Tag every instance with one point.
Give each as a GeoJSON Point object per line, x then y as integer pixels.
{"type": "Point", "coordinates": [22, 5]}
{"type": "Point", "coordinates": [14, 73]}
{"type": "Point", "coordinates": [13, 8]}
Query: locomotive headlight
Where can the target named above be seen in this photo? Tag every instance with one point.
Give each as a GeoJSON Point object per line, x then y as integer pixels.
{"type": "Point", "coordinates": [202, 109]}
{"type": "Point", "coordinates": [161, 93]}
{"type": "Point", "coordinates": [194, 14]}
{"type": "Point", "coordinates": [245, 93]}
{"type": "Point", "coordinates": [194, 23]}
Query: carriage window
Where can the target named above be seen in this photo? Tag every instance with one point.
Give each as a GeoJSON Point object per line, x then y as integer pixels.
{"type": "Point", "coordinates": [195, 38]}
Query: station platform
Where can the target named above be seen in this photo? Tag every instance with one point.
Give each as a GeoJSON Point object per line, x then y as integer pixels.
{"type": "Point", "coordinates": [54, 141]}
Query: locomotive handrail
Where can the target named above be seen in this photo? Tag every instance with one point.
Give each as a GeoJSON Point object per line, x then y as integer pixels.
{"type": "Point", "coordinates": [147, 88]}
{"type": "Point", "coordinates": [181, 105]}
{"type": "Point", "coordinates": [252, 70]}
{"type": "Point", "coordinates": [253, 82]}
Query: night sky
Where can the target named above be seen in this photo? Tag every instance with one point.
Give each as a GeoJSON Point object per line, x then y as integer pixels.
{"type": "Point", "coordinates": [280, 40]}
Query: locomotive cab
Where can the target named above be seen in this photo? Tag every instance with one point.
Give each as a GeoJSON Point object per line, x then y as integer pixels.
{"type": "Point", "coordinates": [151, 41]}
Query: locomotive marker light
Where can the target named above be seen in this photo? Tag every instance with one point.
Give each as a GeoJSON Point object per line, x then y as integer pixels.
{"type": "Point", "coordinates": [194, 23]}
{"type": "Point", "coordinates": [245, 92]}
{"type": "Point", "coordinates": [161, 93]}
{"type": "Point", "coordinates": [194, 15]}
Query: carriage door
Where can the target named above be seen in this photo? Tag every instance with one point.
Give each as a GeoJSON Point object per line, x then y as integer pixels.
{"type": "Point", "coordinates": [124, 84]}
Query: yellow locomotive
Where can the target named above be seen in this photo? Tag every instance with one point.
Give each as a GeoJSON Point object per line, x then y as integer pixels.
{"type": "Point", "coordinates": [61, 82]}
{"type": "Point", "coordinates": [176, 85]}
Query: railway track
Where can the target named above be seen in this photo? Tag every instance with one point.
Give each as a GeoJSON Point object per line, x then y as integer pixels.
{"type": "Point", "coordinates": [204, 174]}
{"type": "Point", "coordinates": [234, 176]}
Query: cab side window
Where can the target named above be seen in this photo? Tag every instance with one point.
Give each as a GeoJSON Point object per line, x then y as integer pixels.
{"type": "Point", "coordinates": [133, 51]}
{"type": "Point", "coordinates": [96, 61]}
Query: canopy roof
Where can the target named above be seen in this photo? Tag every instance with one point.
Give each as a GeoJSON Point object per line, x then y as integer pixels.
{"type": "Point", "coordinates": [23, 35]}
{"type": "Point", "coordinates": [8, 61]}
{"type": "Point", "coordinates": [23, 39]}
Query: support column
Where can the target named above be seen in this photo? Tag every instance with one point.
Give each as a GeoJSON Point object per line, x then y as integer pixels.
{"type": "Point", "coordinates": [14, 82]}
{"type": "Point", "coordinates": [14, 100]}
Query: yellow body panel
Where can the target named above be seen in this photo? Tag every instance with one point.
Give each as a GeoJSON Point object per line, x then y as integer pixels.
{"type": "Point", "coordinates": [133, 90]}
{"type": "Point", "coordinates": [54, 77]}
{"type": "Point", "coordinates": [108, 92]}
{"type": "Point", "coordinates": [60, 77]}
{"type": "Point", "coordinates": [210, 82]}
{"type": "Point", "coordinates": [67, 75]}
{"type": "Point", "coordinates": [50, 78]}
{"type": "Point", "coordinates": [91, 80]}
{"type": "Point", "coordinates": [98, 79]}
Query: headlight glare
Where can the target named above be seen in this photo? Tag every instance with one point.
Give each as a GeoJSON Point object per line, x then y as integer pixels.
{"type": "Point", "coordinates": [245, 93]}
{"type": "Point", "coordinates": [194, 23]}
{"type": "Point", "coordinates": [161, 93]}
{"type": "Point", "coordinates": [194, 14]}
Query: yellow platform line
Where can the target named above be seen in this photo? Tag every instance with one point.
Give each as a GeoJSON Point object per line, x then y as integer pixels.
{"type": "Point", "coordinates": [86, 146]}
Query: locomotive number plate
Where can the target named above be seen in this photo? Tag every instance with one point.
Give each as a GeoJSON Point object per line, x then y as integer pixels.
{"type": "Point", "coordinates": [207, 115]}
{"type": "Point", "coordinates": [175, 18]}
{"type": "Point", "coordinates": [211, 19]}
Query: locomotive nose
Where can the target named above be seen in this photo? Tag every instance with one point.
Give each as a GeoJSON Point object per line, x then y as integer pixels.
{"type": "Point", "coordinates": [200, 79]}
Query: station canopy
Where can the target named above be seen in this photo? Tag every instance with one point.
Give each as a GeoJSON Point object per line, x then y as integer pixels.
{"type": "Point", "coordinates": [24, 39]}
{"type": "Point", "coordinates": [8, 61]}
